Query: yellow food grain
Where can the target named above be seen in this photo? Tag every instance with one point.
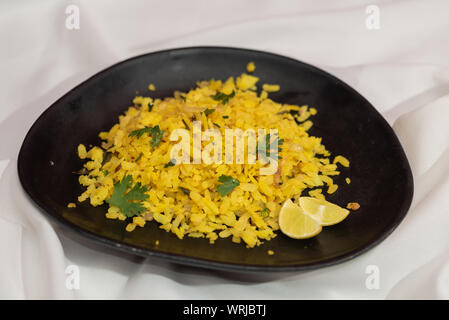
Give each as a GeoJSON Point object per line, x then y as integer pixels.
{"type": "Point", "coordinates": [251, 67]}
{"type": "Point", "coordinates": [246, 82]}
{"type": "Point", "coordinates": [348, 180]}
{"type": "Point", "coordinates": [151, 87]}
{"type": "Point", "coordinates": [316, 194]}
{"type": "Point", "coordinates": [270, 252]}
{"type": "Point", "coordinates": [110, 215]}
{"type": "Point", "coordinates": [130, 227]}
{"type": "Point", "coordinates": [271, 87]}
{"type": "Point", "coordinates": [71, 205]}
{"type": "Point", "coordinates": [139, 221]}
{"type": "Point", "coordinates": [341, 160]}
{"type": "Point", "coordinates": [332, 188]}
{"type": "Point", "coordinates": [183, 198]}
{"type": "Point", "coordinates": [82, 153]}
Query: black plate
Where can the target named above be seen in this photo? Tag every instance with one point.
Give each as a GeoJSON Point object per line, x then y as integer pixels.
{"type": "Point", "coordinates": [381, 177]}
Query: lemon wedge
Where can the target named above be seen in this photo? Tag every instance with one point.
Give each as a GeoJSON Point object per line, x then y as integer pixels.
{"type": "Point", "coordinates": [324, 211]}
{"type": "Point", "coordinates": [296, 224]}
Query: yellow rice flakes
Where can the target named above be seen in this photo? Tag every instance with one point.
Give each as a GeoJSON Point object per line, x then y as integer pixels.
{"type": "Point", "coordinates": [271, 87]}
{"type": "Point", "coordinates": [250, 67]}
{"type": "Point", "coordinates": [202, 211]}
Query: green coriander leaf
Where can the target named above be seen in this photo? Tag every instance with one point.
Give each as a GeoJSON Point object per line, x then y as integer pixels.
{"type": "Point", "coordinates": [105, 172]}
{"type": "Point", "coordinates": [208, 111]}
{"type": "Point", "coordinates": [264, 212]}
{"type": "Point", "coordinates": [270, 151]}
{"type": "Point", "coordinates": [139, 132]}
{"type": "Point", "coordinates": [155, 132]}
{"type": "Point", "coordinates": [228, 184]}
{"type": "Point", "coordinates": [171, 163]}
{"type": "Point", "coordinates": [223, 97]}
{"type": "Point", "coordinates": [157, 135]}
{"type": "Point", "coordinates": [128, 201]}
{"type": "Point", "coordinates": [186, 191]}
{"type": "Point", "coordinates": [225, 117]}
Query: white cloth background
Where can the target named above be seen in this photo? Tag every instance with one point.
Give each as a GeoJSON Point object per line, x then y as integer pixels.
{"type": "Point", "coordinates": [402, 68]}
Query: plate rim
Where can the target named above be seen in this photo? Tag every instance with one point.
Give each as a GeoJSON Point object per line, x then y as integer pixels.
{"type": "Point", "coordinates": [202, 262]}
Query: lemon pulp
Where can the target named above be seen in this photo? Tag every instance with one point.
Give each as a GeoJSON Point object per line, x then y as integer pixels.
{"type": "Point", "coordinates": [295, 223]}
{"type": "Point", "coordinates": [324, 211]}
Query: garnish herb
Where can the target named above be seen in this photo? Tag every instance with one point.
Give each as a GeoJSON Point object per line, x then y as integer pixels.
{"type": "Point", "coordinates": [105, 172]}
{"type": "Point", "coordinates": [228, 184]}
{"type": "Point", "coordinates": [269, 147]}
{"type": "Point", "coordinates": [155, 132]}
{"type": "Point", "coordinates": [139, 132]}
{"type": "Point", "coordinates": [223, 97]}
{"type": "Point", "coordinates": [225, 117]}
{"type": "Point", "coordinates": [208, 111]}
{"type": "Point", "coordinates": [171, 163]}
{"type": "Point", "coordinates": [186, 191]}
{"type": "Point", "coordinates": [264, 212]}
{"type": "Point", "coordinates": [129, 202]}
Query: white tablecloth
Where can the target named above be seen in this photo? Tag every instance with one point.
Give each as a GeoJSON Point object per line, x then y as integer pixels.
{"type": "Point", "coordinates": [402, 68]}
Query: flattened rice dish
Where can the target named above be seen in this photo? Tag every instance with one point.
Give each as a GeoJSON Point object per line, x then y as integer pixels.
{"type": "Point", "coordinates": [133, 170]}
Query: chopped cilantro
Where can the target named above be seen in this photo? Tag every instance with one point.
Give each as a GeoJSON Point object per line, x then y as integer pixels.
{"type": "Point", "coordinates": [186, 191]}
{"type": "Point", "coordinates": [269, 147]}
{"type": "Point", "coordinates": [171, 163]}
{"type": "Point", "coordinates": [128, 201]}
{"type": "Point", "coordinates": [155, 132]}
{"type": "Point", "coordinates": [228, 184]}
{"type": "Point", "coordinates": [139, 132]}
{"type": "Point", "coordinates": [208, 111]}
{"type": "Point", "coordinates": [105, 172]}
{"type": "Point", "coordinates": [225, 117]}
{"type": "Point", "coordinates": [223, 97]}
{"type": "Point", "coordinates": [264, 212]}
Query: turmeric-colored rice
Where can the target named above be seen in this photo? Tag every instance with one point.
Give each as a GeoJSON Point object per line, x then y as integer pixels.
{"type": "Point", "coordinates": [183, 198]}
